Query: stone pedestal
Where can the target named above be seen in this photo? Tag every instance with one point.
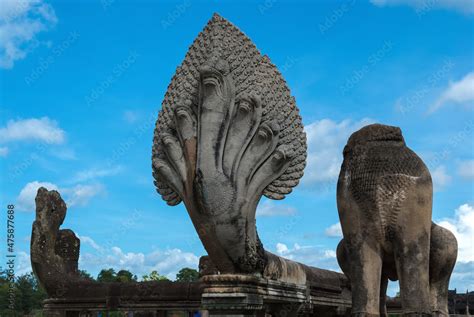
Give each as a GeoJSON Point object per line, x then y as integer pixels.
{"type": "Point", "coordinates": [246, 295]}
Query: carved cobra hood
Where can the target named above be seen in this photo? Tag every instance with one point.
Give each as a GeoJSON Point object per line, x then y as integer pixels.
{"type": "Point", "coordinates": [228, 132]}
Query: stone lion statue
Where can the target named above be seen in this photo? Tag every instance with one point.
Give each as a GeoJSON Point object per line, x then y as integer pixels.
{"type": "Point", "coordinates": [384, 198]}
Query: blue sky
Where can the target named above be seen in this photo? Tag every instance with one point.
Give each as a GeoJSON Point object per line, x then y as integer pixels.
{"type": "Point", "coordinates": [82, 83]}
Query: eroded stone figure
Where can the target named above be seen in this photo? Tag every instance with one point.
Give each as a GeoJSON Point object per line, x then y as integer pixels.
{"type": "Point", "coordinates": [229, 132]}
{"type": "Point", "coordinates": [54, 251]}
{"type": "Point", "coordinates": [384, 197]}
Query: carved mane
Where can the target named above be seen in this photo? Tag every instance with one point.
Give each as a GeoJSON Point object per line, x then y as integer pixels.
{"type": "Point", "coordinates": [375, 133]}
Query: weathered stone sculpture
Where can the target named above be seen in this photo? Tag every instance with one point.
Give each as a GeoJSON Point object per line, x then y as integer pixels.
{"type": "Point", "coordinates": [228, 133]}
{"type": "Point", "coordinates": [54, 259]}
{"type": "Point", "coordinates": [384, 197]}
{"type": "Point", "coordinates": [54, 252]}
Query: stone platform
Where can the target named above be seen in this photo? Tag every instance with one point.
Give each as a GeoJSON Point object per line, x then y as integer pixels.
{"type": "Point", "coordinates": [245, 295]}
{"type": "Point", "coordinates": [214, 295]}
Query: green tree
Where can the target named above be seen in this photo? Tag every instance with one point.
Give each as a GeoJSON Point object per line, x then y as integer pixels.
{"type": "Point", "coordinates": [154, 276]}
{"type": "Point", "coordinates": [85, 274]}
{"type": "Point", "coordinates": [26, 284]}
{"type": "Point", "coordinates": [187, 275]}
{"type": "Point", "coordinates": [3, 275]}
{"type": "Point", "coordinates": [39, 296]}
{"type": "Point", "coordinates": [126, 276]}
{"type": "Point", "coordinates": [107, 275]}
{"type": "Point", "coordinates": [28, 294]}
{"type": "Point", "coordinates": [4, 293]}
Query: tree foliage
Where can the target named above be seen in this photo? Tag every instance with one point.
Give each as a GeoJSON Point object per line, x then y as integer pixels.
{"type": "Point", "coordinates": [84, 274]}
{"type": "Point", "coordinates": [29, 295]}
{"type": "Point", "coordinates": [187, 275]}
{"type": "Point", "coordinates": [154, 276]}
{"type": "Point", "coordinates": [109, 275]}
{"type": "Point", "coordinates": [125, 276]}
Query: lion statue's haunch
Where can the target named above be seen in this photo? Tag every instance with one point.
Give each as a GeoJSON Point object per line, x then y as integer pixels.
{"type": "Point", "coordinates": [384, 197]}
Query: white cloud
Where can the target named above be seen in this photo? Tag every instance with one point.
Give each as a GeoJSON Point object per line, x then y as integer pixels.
{"type": "Point", "coordinates": [94, 173]}
{"type": "Point", "coordinates": [64, 153]}
{"type": "Point", "coordinates": [281, 248]}
{"type": "Point", "coordinates": [89, 241]}
{"type": "Point", "coordinates": [326, 140]}
{"type": "Point", "coordinates": [463, 277]}
{"type": "Point", "coordinates": [23, 263]}
{"type": "Point", "coordinates": [166, 262]}
{"type": "Point", "coordinates": [334, 231]}
{"type": "Point", "coordinates": [26, 198]}
{"type": "Point", "coordinates": [309, 255]}
{"type": "Point", "coordinates": [458, 92]}
{"type": "Point", "coordinates": [269, 208]}
{"type": "Point", "coordinates": [78, 195]}
{"type": "Point", "coordinates": [462, 226]}
{"type": "Point", "coordinates": [440, 178]}
{"type": "Point", "coordinates": [3, 151]}
{"type": "Point", "coordinates": [466, 169]}
{"type": "Point", "coordinates": [466, 6]}
{"type": "Point", "coordinates": [20, 24]}
{"type": "Point", "coordinates": [43, 129]}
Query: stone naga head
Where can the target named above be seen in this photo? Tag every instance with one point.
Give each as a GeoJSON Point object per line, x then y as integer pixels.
{"type": "Point", "coordinates": [54, 251]}
{"type": "Point", "coordinates": [228, 132]}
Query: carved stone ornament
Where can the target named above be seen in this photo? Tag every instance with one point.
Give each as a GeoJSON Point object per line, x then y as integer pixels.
{"type": "Point", "coordinates": [228, 132]}
{"type": "Point", "coordinates": [54, 252]}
